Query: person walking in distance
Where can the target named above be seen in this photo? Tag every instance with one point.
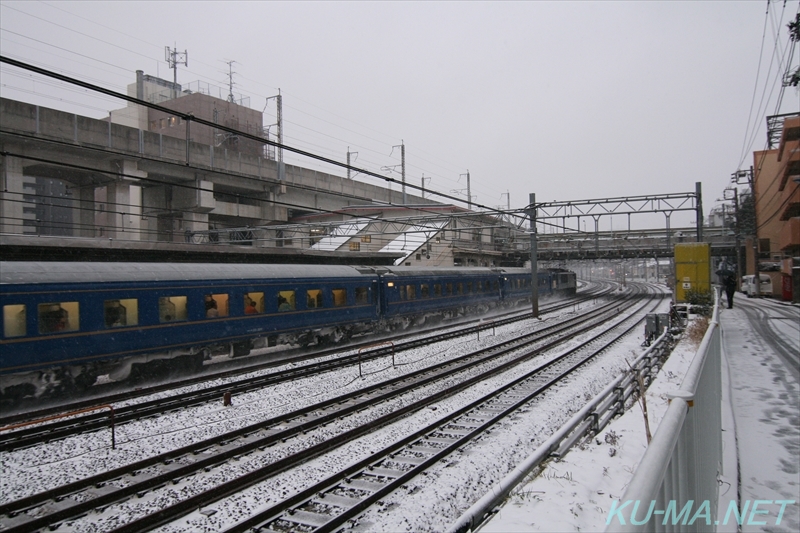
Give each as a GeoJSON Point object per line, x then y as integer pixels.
{"type": "Point", "coordinates": [727, 277]}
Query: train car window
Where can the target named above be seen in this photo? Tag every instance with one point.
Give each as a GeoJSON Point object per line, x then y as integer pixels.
{"type": "Point", "coordinates": [448, 289]}
{"type": "Point", "coordinates": [362, 295]}
{"type": "Point", "coordinates": [402, 290]}
{"type": "Point", "coordinates": [313, 298]}
{"type": "Point", "coordinates": [253, 303]}
{"type": "Point", "coordinates": [424, 292]}
{"type": "Point", "coordinates": [172, 308]}
{"type": "Point", "coordinates": [14, 320]}
{"type": "Point", "coordinates": [496, 286]}
{"type": "Point", "coordinates": [339, 297]}
{"type": "Point", "coordinates": [469, 288]}
{"type": "Point", "coordinates": [437, 289]}
{"type": "Point", "coordinates": [286, 301]}
{"type": "Point", "coordinates": [58, 317]}
{"type": "Point", "coordinates": [118, 313]}
{"type": "Point", "coordinates": [411, 291]}
{"type": "Point", "coordinates": [460, 288]}
{"type": "Point", "coordinates": [479, 287]}
{"type": "Point", "coordinates": [216, 305]}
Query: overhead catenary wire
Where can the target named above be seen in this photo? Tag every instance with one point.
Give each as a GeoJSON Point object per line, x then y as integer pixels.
{"type": "Point", "coordinates": [782, 67]}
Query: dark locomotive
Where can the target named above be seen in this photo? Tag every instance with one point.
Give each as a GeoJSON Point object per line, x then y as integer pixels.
{"type": "Point", "coordinates": [65, 324]}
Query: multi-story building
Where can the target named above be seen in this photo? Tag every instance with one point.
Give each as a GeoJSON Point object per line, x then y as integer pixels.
{"type": "Point", "coordinates": [776, 180]}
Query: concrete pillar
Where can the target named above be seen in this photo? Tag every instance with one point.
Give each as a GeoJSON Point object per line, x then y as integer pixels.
{"type": "Point", "coordinates": [125, 203]}
{"type": "Point", "coordinates": [83, 213]}
{"type": "Point", "coordinates": [11, 201]}
{"type": "Point", "coordinates": [194, 222]}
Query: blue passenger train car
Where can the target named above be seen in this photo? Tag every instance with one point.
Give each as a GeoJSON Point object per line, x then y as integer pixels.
{"type": "Point", "coordinates": [66, 323]}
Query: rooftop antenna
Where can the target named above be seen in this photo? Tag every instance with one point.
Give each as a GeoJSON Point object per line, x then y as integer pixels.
{"type": "Point", "coordinates": [230, 81]}
{"type": "Point", "coordinates": [175, 58]}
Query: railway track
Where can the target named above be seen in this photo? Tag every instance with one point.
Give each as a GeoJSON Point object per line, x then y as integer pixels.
{"type": "Point", "coordinates": [99, 419]}
{"type": "Point", "coordinates": [142, 478]}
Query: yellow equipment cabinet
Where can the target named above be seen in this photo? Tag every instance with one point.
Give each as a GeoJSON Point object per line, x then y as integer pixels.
{"type": "Point", "coordinates": [692, 269]}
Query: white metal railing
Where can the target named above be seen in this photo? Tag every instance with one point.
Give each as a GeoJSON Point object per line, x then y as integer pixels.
{"type": "Point", "coordinates": [591, 419]}
{"type": "Point", "coordinates": [675, 487]}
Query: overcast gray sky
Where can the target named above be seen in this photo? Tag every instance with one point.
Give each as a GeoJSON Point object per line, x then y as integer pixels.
{"type": "Point", "coordinates": [569, 100]}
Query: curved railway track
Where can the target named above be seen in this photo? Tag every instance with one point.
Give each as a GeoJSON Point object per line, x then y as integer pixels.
{"type": "Point", "coordinates": [146, 477]}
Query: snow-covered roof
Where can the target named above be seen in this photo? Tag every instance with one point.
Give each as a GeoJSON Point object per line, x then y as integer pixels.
{"type": "Point", "coordinates": [340, 235]}
{"type": "Point", "coordinates": [409, 241]}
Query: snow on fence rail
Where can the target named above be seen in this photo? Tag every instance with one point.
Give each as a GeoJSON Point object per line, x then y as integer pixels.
{"type": "Point", "coordinates": [592, 418]}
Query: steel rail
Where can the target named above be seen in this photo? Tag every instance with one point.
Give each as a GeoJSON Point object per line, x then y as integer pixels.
{"type": "Point", "coordinates": [417, 450]}
{"type": "Point", "coordinates": [294, 423]}
{"type": "Point", "coordinates": [65, 428]}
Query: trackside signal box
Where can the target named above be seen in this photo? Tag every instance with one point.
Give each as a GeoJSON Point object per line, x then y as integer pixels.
{"type": "Point", "coordinates": [692, 269]}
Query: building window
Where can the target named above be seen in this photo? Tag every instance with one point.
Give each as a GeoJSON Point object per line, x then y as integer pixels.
{"type": "Point", "coordinates": [286, 301]}
{"type": "Point", "coordinates": [366, 238]}
{"type": "Point", "coordinates": [58, 317]}
{"type": "Point", "coordinates": [419, 257]}
{"type": "Point", "coordinates": [355, 246]}
{"type": "Point", "coordinates": [411, 292]}
{"type": "Point", "coordinates": [339, 297]}
{"type": "Point", "coordinates": [313, 298]}
{"type": "Point", "coordinates": [216, 305]}
{"type": "Point", "coordinates": [14, 320]}
{"type": "Point", "coordinates": [253, 303]}
{"type": "Point", "coordinates": [362, 295]}
{"type": "Point", "coordinates": [118, 313]}
{"type": "Point", "coordinates": [172, 308]}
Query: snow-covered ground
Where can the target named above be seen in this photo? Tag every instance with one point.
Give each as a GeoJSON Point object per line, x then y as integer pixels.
{"type": "Point", "coordinates": [761, 440]}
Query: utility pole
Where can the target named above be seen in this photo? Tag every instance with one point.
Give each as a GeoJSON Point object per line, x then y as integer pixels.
{"type": "Point", "coordinates": [231, 99]}
{"type": "Point", "coordinates": [736, 236]}
{"type": "Point", "coordinates": [403, 167]}
{"type": "Point", "coordinates": [749, 175]}
{"type": "Point", "coordinates": [349, 153]}
{"type": "Point", "coordinates": [280, 135]}
{"type": "Point", "coordinates": [279, 152]}
{"type": "Point", "coordinates": [423, 184]}
{"type": "Point", "coordinates": [175, 58]}
{"type": "Point", "coordinates": [391, 168]}
{"type": "Point", "coordinates": [534, 257]}
{"type": "Point", "coordinates": [469, 190]}
{"type": "Point", "coordinates": [469, 193]}
{"type": "Point", "coordinates": [699, 192]}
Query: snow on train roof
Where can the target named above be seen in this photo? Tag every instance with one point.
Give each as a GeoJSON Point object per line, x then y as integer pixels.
{"type": "Point", "coordinates": [76, 272]}
{"type": "Point", "coordinates": [440, 271]}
